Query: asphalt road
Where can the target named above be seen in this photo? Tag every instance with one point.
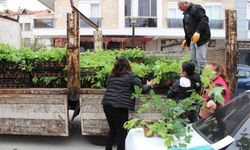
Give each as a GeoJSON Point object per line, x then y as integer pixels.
{"type": "Point", "coordinates": [74, 142]}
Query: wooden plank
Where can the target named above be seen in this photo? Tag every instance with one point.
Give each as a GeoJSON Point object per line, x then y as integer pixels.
{"type": "Point", "coordinates": [44, 91]}
{"type": "Point", "coordinates": [34, 114]}
{"type": "Point", "coordinates": [43, 127]}
{"type": "Point", "coordinates": [93, 120]}
{"type": "Point", "coordinates": [31, 99]}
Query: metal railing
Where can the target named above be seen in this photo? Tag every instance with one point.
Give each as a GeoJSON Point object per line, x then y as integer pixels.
{"type": "Point", "coordinates": [178, 23]}
{"type": "Point", "coordinates": [142, 22]}
{"type": "Point", "coordinates": [97, 21]}
{"type": "Point", "coordinates": [216, 24]}
{"type": "Point", "coordinates": [175, 23]}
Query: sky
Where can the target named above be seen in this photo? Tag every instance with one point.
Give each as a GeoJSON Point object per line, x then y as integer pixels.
{"type": "Point", "coordinates": [29, 4]}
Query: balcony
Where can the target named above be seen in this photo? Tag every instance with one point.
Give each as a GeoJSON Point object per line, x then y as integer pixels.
{"type": "Point", "coordinates": [142, 22]}
{"type": "Point", "coordinates": [178, 23]}
{"type": "Point", "coordinates": [44, 23]}
{"type": "Point", "coordinates": [175, 23]}
{"type": "Point", "coordinates": [97, 21]}
{"type": "Point", "coordinates": [216, 24]}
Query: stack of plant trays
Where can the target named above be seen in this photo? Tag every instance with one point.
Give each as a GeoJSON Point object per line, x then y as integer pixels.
{"type": "Point", "coordinates": [11, 76]}
{"type": "Point", "coordinates": [49, 74]}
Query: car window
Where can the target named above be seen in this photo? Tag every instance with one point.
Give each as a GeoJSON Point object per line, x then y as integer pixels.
{"type": "Point", "coordinates": [242, 138]}
{"type": "Point", "coordinates": [226, 121]}
{"type": "Point", "coordinates": [247, 74]}
{"type": "Point", "coordinates": [241, 74]}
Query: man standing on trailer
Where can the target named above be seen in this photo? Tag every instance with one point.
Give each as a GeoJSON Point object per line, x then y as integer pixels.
{"type": "Point", "coordinates": [197, 31]}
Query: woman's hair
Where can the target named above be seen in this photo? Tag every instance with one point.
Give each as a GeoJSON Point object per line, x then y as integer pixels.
{"type": "Point", "coordinates": [219, 68]}
{"type": "Point", "coordinates": [188, 67]}
{"type": "Point", "coordinates": [121, 66]}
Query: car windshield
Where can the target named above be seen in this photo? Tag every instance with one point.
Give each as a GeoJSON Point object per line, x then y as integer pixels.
{"type": "Point", "coordinates": [226, 121]}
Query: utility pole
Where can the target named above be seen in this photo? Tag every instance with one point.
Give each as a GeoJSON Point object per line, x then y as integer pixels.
{"type": "Point", "coordinates": [231, 48]}
{"type": "Point", "coordinates": [73, 63]}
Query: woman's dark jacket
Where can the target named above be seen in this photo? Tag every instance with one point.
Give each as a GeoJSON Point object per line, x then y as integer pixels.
{"type": "Point", "coordinates": [195, 20]}
{"type": "Point", "coordinates": [179, 92]}
{"type": "Point", "coordinates": [120, 89]}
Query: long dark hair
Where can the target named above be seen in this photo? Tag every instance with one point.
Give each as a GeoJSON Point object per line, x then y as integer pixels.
{"type": "Point", "coordinates": [121, 66]}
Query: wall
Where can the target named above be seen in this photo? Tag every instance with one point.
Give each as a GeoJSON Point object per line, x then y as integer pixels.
{"type": "Point", "coordinates": [109, 13]}
{"type": "Point", "coordinates": [10, 32]}
{"type": "Point", "coordinates": [61, 9]}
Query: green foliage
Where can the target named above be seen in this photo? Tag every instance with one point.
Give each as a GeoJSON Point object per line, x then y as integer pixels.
{"type": "Point", "coordinates": [173, 127]}
{"type": "Point", "coordinates": [48, 80]}
{"type": "Point", "coordinates": [209, 88]}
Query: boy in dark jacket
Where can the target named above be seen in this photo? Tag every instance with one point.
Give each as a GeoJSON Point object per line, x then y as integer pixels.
{"type": "Point", "coordinates": [117, 100]}
{"type": "Point", "coordinates": [188, 83]}
{"type": "Point", "coordinates": [197, 31]}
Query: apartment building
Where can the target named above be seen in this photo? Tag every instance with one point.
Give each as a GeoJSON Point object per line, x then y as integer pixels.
{"type": "Point", "coordinates": [158, 22]}
{"type": "Point", "coordinates": [30, 21]}
{"type": "Point", "coordinates": [243, 27]}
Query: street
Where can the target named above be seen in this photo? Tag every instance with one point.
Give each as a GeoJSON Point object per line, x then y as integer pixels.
{"type": "Point", "coordinates": [74, 142]}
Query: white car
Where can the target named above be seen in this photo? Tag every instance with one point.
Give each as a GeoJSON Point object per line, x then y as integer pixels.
{"type": "Point", "coordinates": [229, 128]}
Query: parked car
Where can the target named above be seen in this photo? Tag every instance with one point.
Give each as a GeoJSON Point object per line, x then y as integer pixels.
{"type": "Point", "coordinates": [243, 78]}
{"type": "Point", "coordinates": [233, 119]}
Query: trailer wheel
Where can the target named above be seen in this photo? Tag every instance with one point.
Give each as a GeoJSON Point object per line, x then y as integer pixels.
{"type": "Point", "coordinates": [97, 140]}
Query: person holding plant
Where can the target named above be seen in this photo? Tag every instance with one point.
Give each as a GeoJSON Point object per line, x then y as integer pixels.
{"type": "Point", "coordinates": [117, 100]}
{"type": "Point", "coordinates": [188, 83]}
{"type": "Point", "coordinates": [218, 79]}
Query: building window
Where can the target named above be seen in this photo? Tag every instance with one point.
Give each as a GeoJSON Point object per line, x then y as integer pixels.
{"type": "Point", "coordinates": [175, 16]}
{"type": "Point", "coordinates": [147, 12]}
{"type": "Point", "coordinates": [147, 8]}
{"type": "Point", "coordinates": [94, 16]}
{"type": "Point", "coordinates": [43, 23]}
{"type": "Point", "coordinates": [248, 14]}
{"type": "Point", "coordinates": [27, 27]}
{"type": "Point", "coordinates": [127, 7]}
{"type": "Point", "coordinates": [94, 10]}
{"type": "Point", "coordinates": [214, 13]}
{"type": "Point", "coordinates": [249, 24]}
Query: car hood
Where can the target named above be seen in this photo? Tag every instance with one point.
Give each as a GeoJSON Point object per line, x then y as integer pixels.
{"type": "Point", "coordinates": [137, 141]}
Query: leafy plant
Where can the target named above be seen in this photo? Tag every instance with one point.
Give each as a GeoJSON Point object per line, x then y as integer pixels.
{"type": "Point", "coordinates": [209, 88]}
{"type": "Point", "coordinates": [173, 127]}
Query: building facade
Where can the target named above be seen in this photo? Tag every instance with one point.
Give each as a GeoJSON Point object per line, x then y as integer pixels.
{"type": "Point", "coordinates": [30, 21]}
{"type": "Point", "coordinates": [158, 22]}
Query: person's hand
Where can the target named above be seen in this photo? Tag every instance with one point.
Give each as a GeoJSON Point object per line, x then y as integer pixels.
{"type": "Point", "coordinates": [151, 83]}
{"type": "Point", "coordinates": [184, 44]}
{"type": "Point", "coordinates": [211, 105]}
{"type": "Point", "coordinates": [196, 37]}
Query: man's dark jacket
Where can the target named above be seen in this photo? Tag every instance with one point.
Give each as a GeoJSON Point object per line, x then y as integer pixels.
{"type": "Point", "coordinates": [195, 20]}
{"type": "Point", "coordinates": [120, 89]}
